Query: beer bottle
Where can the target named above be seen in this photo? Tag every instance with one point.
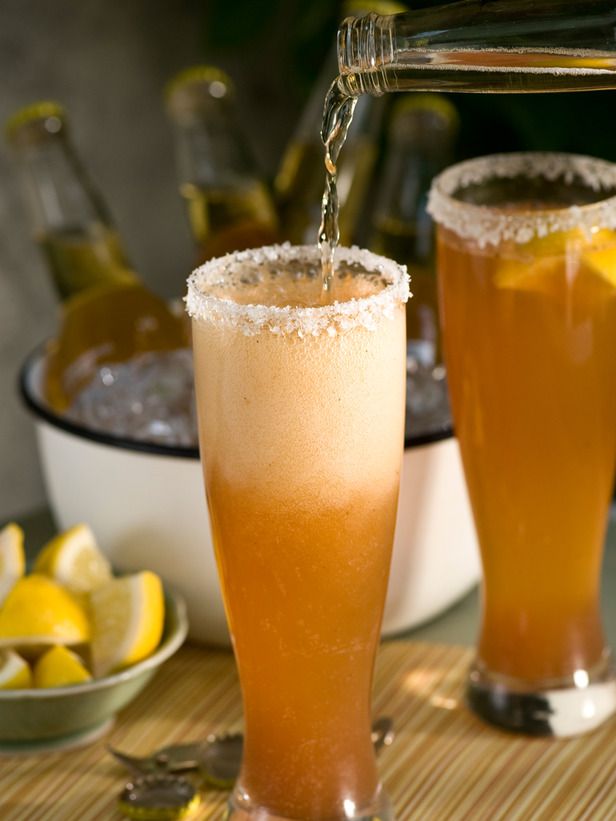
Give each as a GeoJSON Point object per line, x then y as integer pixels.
{"type": "Point", "coordinates": [298, 185]}
{"type": "Point", "coordinates": [420, 143]}
{"type": "Point", "coordinates": [229, 206]}
{"type": "Point", "coordinates": [481, 45]}
{"type": "Point", "coordinates": [108, 314]}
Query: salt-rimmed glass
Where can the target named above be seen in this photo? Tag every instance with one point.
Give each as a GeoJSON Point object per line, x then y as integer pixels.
{"type": "Point", "coordinates": [301, 416]}
{"type": "Point", "coordinates": [527, 285]}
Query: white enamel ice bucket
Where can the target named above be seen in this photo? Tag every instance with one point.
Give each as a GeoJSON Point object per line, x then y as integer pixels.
{"type": "Point", "coordinates": [146, 505]}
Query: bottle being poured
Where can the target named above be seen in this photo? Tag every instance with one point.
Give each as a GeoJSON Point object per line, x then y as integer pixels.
{"type": "Point", "coordinates": [477, 46]}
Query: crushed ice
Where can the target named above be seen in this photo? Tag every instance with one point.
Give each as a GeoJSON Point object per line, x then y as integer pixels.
{"type": "Point", "coordinates": [151, 398]}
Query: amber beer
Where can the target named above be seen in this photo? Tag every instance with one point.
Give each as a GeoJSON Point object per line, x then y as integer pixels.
{"type": "Point", "coordinates": [301, 411]}
{"type": "Point", "coordinates": [528, 302]}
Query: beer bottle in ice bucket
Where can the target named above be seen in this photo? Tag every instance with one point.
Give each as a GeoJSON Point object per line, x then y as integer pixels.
{"type": "Point", "coordinates": [229, 206]}
{"type": "Point", "coordinates": [108, 314]}
{"type": "Point", "coordinates": [298, 186]}
{"type": "Point", "coordinates": [420, 143]}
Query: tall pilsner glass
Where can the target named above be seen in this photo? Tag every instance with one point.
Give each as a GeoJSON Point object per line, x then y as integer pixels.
{"type": "Point", "coordinates": [527, 279]}
{"type": "Point", "coordinates": [301, 415]}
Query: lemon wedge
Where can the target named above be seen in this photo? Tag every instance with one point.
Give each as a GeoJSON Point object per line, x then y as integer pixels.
{"type": "Point", "coordinates": [74, 560]}
{"type": "Point", "coordinates": [602, 261]}
{"type": "Point", "coordinates": [540, 275]}
{"type": "Point", "coordinates": [38, 611]}
{"type": "Point", "coordinates": [12, 558]}
{"type": "Point", "coordinates": [14, 671]}
{"type": "Point", "coordinates": [127, 621]}
{"type": "Point", "coordinates": [59, 667]}
{"type": "Point", "coordinates": [535, 263]}
{"type": "Point", "coordinates": [544, 262]}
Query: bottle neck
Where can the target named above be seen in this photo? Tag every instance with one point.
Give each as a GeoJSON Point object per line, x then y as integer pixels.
{"type": "Point", "coordinates": [211, 151]}
{"type": "Point", "coordinates": [70, 221]}
{"type": "Point", "coordinates": [482, 45]}
{"type": "Point", "coordinates": [228, 204]}
{"type": "Point", "coordinates": [59, 194]}
{"type": "Point", "coordinates": [365, 46]}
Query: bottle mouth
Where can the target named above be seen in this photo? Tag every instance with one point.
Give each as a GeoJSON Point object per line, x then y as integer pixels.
{"type": "Point", "coordinates": [366, 45]}
{"type": "Point", "coordinates": [516, 197]}
{"type": "Point", "coordinates": [220, 291]}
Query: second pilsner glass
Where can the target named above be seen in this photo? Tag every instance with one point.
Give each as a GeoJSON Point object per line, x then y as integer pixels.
{"type": "Point", "coordinates": [527, 275]}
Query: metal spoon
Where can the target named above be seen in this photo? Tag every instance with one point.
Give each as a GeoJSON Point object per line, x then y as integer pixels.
{"type": "Point", "coordinates": [218, 758]}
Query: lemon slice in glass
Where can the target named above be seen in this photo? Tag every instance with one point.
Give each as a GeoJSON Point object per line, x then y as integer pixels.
{"type": "Point", "coordinates": [38, 611]}
{"type": "Point", "coordinates": [74, 560]}
{"type": "Point", "coordinates": [545, 264]}
{"type": "Point", "coordinates": [15, 672]}
{"type": "Point", "coordinates": [12, 558]}
{"type": "Point", "coordinates": [127, 621]}
{"type": "Point", "coordinates": [60, 667]}
{"type": "Point", "coordinates": [536, 265]}
{"type": "Point", "coordinates": [602, 260]}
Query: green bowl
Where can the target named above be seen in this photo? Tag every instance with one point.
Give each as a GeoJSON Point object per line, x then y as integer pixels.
{"type": "Point", "coordinates": [54, 718]}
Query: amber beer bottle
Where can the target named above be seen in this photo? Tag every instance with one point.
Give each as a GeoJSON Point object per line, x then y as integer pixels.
{"type": "Point", "coordinates": [108, 314]}
{"type": "Point", "coordinates": [229, 206]}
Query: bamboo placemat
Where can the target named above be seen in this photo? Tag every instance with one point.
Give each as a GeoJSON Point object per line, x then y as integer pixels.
{"type": "Point", "coordinates": [444, 765]}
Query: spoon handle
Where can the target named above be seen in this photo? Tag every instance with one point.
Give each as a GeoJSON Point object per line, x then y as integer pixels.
{"type": "Point", "coordinates": [218, 756]}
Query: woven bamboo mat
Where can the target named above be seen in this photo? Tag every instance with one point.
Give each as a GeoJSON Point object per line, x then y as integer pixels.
{"type": "Point", "coordinates": [443, 765]}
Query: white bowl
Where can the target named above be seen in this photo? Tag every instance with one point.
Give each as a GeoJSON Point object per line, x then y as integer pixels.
{"type": "Point", "coordinates": [146, 504]}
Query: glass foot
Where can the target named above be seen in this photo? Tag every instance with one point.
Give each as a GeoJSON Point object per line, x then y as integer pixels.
{"type": "Point", "coordinates": [566, 708]}
{"type": "Point", "coordinates": [240, 809]}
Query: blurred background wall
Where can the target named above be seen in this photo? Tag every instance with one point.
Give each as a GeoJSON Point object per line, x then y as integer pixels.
{"type": "Point", "coordinates": [107, 63]}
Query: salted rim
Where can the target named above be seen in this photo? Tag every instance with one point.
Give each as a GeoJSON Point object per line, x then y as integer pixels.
{"type": "Point", "coordinates": [486, 225]}
{"type": "Point", "coordinates": [339, 316]}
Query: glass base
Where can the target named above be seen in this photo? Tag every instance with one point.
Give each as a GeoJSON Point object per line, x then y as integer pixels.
{"type": "Point", "coordinates": [240, 809]}
{"type": "Point", "coordinates": [561, 709]}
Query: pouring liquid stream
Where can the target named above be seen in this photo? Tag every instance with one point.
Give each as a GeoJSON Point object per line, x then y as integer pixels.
{"type": "Point", "coordinates": [337, 116]}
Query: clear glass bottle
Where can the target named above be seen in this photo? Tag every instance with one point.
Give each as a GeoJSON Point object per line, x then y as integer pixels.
{"type": "Point", "coordinates": [482, 45]}
{"type": "Point", "coordinates": [229, 206]}
{"type": "Point", "coordinates": [108, 313]}
{"type": "Point", "coordinates": [299, 183]}
{"type": "Point", "coordinates": [420, 143]}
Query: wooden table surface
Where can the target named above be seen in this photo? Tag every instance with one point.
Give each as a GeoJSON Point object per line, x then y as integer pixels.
{"type": "Point", "coordinates": [444, 765]}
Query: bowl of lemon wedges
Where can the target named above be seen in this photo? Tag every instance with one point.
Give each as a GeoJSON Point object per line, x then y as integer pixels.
{"type": "Point", "coordinates": [77, 643]}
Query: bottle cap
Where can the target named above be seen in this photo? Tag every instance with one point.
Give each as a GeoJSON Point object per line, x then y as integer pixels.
{"type": "Point", "coordinates": [194, 88]}
{"type": "Point", "coordinates": [423, 114]}
{"type": "Point", "coordinates": [159, 797]}
{"type": "Point", "coordinates": [34, 122]}
{"type": "Point", "coordinates": [355, 8]}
